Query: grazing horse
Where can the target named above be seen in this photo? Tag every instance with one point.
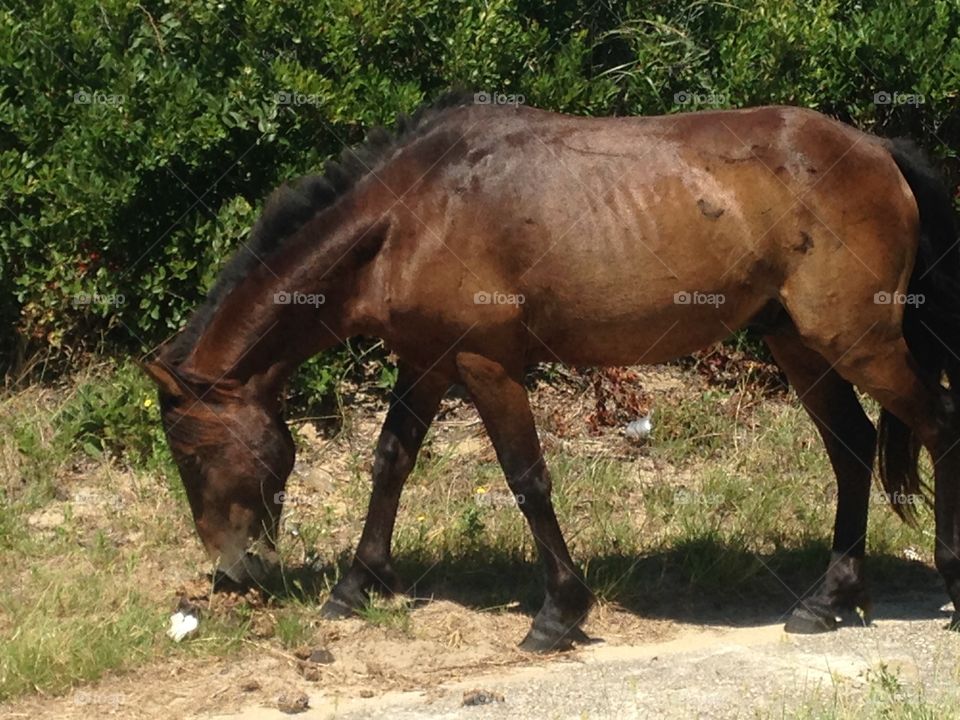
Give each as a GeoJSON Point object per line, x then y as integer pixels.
{"type": "Point", "coordinates": [480, 239]}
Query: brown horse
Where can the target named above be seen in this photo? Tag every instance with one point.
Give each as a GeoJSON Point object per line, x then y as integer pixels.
{"type": "Point", "coordinates": [483, 239]}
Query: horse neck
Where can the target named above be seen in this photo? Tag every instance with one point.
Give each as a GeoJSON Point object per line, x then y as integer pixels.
{"type": "Point", "coordinates": [297, 303]}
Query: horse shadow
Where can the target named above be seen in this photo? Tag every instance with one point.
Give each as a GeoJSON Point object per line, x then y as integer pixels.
{"type": "Point", "coordinates": [701, 581]}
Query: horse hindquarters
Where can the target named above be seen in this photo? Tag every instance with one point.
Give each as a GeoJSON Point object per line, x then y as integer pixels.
{"type": "Point", "coordinates": [893, 330]}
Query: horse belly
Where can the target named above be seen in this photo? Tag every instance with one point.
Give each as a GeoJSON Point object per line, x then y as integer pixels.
{"type": "Point", "coordinates": [642, 310]}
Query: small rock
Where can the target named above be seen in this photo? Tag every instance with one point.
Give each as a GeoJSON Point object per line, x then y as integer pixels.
{"type": "Point", "coordinates": [365, 693]}
{"type": "Point", "coordinates": [292, 702]}
{"type": "Point", "coordinates": [250, 685]}
{"type": "Point", "coordinates": [264, 626]}
{"type": "Point", "coordinates": [321, 656]}
{"type": "Point", "coordinates": [308, 671]}
{"type": "Point", "coordinates": [317, 656]}
{"type": "Point", "coordinates": [481, 697]}
{"type": "Point", "coordinates": [309, 433]}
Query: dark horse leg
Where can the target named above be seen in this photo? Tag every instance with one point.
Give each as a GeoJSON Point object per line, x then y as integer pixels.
{"type": "Point", "coordinates": [413, 405]}
{"type": "Point", "coordinates": [886, 370]}
{"type": "Point", "coordinates": [850, 440]}
{"type": "Point", "coordinates": [505, 410]}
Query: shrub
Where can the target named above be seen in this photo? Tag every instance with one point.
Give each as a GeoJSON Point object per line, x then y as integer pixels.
{"type": "Point", "coordinates": [138, 140]}
{"type": "Point", "coordinates": [113, 413]}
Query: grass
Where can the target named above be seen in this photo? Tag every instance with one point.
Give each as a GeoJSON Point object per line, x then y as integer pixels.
{"type": "Point", "coordinates": [887, 697]}
{"type": "Point", "coordinates": [731, 500]}
{"type": "Point", "coordinates": [391, 614]}
{"type": "Point", "coordinates": [74, 602]}
{"type": "Point", "coordinates": [75, 622]}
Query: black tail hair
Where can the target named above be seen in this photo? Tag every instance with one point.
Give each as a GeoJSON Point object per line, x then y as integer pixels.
{"type": "Point", "coordinates": [931, 328]}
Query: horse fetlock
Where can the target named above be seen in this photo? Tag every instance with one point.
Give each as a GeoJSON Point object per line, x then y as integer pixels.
{"type": "Point", "coordinates": [844, 586]}
{"type": "Point", "coordinates": [573, 595]}
{"type": "Point", "coordinates": [374, 575]}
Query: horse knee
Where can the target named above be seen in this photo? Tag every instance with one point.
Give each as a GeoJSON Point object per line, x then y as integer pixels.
{"type": "Point", "coordinates": [390, 460]}
{"type": "Point", "coordinates": [532, 486]}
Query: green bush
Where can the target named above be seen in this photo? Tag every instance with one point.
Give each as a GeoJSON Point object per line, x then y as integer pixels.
{"type": "Point", "coordinates": [138, 139]}
{"type": "Point", "coordinates": [114, 413]}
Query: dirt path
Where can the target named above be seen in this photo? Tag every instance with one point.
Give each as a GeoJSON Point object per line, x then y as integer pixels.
{"type": "Point", "coordinates": [691, 671]}
{"type": "Point", "coordinates": [704, 672]}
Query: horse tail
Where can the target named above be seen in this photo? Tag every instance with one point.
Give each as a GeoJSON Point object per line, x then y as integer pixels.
{"type": "Point", "coordinates": [931, 324]}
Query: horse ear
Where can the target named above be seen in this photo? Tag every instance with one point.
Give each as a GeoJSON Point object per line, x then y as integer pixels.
{"type": "Point", "coordinates": [165, 377]}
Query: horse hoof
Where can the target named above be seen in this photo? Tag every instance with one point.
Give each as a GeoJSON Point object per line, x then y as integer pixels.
{"type": "Point", "coordinates": [954, 623]}
{"type": "Point", "coordinates": [335, 609]}
{"type": "Point", "coordinates": [805, 622]}
{"type": "Point", "coordinates": [541, 642]}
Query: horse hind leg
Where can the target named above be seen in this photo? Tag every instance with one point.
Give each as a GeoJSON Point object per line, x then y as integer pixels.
{"type": "Point", "coordinates": [886, 370]}
{"type": "Point", "coordinates": [850, 440]}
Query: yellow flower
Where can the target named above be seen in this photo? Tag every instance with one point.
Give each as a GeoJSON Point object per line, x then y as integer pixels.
{"type": "Point", "coordinates": [148, 403]}
{"type": "Point", "coordinates": [421, 518]}
{"type": "Point", "coordinates": [482, 490]}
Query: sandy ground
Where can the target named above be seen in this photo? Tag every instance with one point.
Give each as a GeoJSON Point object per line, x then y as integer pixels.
{"type": "Point", "coordinates": [688, 672]}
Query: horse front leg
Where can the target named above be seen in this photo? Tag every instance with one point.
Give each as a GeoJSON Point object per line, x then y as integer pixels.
{"type": "Point", "coordinates": [413, 405]}
{"type": "Point", "coordinates": [505, 410]}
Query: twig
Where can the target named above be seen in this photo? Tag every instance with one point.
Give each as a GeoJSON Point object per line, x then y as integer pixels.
{"type": "Point", "coordinates": [156, 30]}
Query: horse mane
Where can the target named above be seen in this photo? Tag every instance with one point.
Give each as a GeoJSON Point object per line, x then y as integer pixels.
{"type": "Point", "coordinates": [291, 206]}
